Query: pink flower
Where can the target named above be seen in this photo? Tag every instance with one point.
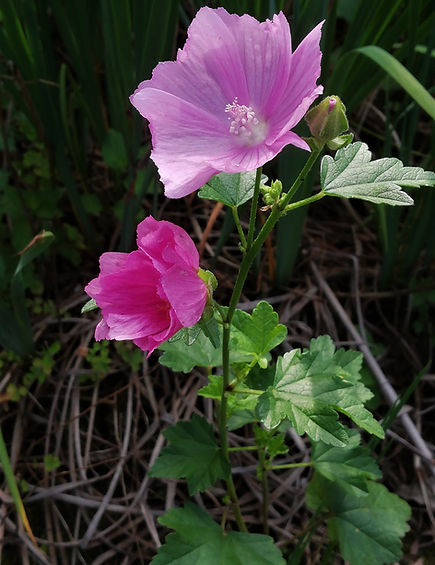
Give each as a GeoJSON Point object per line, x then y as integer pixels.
{"type": "Point", "coordinates": [230, 99]}
{"type": "Point", "coordinates": [149, 294]}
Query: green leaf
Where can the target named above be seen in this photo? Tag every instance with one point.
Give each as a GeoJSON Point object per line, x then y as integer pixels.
{"type": "Point", "coordinates": [198, 539]}
{"type": "Point", "coordinates": [211, 330]}
{"type": "Point", "coordinates": [114, 151]}
{"type": "Point", "coordinates": [187, 335]}
{"type": "Point", "coordinates": [368, 528]}
{"type": "Point", "coordinates": [270, 440]}
{"type": "Point", "coordinates": [193, 454]}
{"type": "Point", "coordinates": [349, 466]}
{"type": "Point", "coordinates": [310, 387]}
{"type": "Point", "coordinates": [352, 174]}
{"type": "Point", "coordinates": [180, 357]}
{"type": "Point", "coordinates": [202, 353]}
{"type": "Point", "coordinates": [233, 189]}
{"type": "Point", "coordinates": [258, 333]}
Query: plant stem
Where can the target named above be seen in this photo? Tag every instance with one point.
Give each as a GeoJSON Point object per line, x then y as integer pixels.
{"type": "Point", "coordinates": [291, 465]}
{"type": "Point", "coordinates": [239, 226]}
{"type": "Point", "coordinates": [264, 488]}
{"type": "Point", "coordinates": [304, 202]}
{"type": "Point", "coordinates": [254, 205]}
{"type": "Point", "coordinates": [244, 448]}
{"type": "Point", "coordinates": [252, 248]}
{"type": "Point", "coordinates": [268, 225]}
{"type": "Point", "coordinates": [248, 391]}
{"type": "Point", "coordinates": [223, 432]}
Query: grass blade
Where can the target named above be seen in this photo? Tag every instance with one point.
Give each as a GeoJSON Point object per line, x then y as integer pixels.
{"type": "Point", "coordinates": [401, 75]}
{"type": "Point", "coordinates": [15, 493]}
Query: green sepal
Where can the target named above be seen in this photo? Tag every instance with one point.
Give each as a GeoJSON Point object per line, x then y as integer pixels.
{"type": "Point", "coordinates": [89, 306]}
{"type": "Point", "coordinates": [328, 119]}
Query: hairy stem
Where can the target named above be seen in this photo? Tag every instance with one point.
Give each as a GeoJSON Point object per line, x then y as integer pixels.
{"type": "Point", "coordinates": [253, 246]}
{"type": "Point", "coordinates": [239, 227]}
{"type": "Point", "coordinates": [254, 205]}
{"type": "Point", "coordinates": [290, 465]}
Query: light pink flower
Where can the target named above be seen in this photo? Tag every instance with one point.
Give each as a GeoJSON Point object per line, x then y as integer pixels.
{"type": "Point", "coordinates": [230, 99]}
{"type": "Point", "coordinates": [149, 294]}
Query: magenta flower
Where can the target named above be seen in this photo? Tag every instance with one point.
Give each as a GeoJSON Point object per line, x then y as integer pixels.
{"type": "Point", "coordinates": [149, 294]}
{"type": "Point", "coordinates": [230, 99]}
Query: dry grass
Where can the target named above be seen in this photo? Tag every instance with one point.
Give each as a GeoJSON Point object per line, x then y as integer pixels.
{"type": "Point", "coordinates": [100, 507]}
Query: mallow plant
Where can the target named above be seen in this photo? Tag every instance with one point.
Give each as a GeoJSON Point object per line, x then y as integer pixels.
{"type": "Point", "coordinates": [217, 114]}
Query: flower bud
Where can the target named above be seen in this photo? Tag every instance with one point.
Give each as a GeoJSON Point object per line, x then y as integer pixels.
{"type": "Point", "coordinates": [271, 193]}
{"type": "Point", "coordinates": [328, 119]}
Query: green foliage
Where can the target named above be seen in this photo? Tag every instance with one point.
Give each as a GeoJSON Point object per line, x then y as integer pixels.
{"type": "Point", "coordinates": [193, 454]}
{"type": "Point", "coordinates": [40, 369]}
{"type": "Point", "coordinates": [233, 189]}
{"type": "Point", "coordinates": [181, 357]}
{"type": "Point", "coordinates": [98, 356]}
{"type": "Point", "coordinates": [257, 333]}
{"type": "Point", "coordinates": [357, 65]}
{"type": "Point", "coordinates": [200, 540]}
{"type": "Point", "coordinates": [252, 337]}
{"type": "Point", "coordinates": [51, 462]}
{"type": "Point", "coordinates": [349, 467]}
{"type": "Point", "coordinates": [16, 330]}
{"type": "Point", "coordinates": [114, 151]}
{"type": "Point", "coordinates": [311, 387]}
{"type": "Point", "coordinates": [240, 406]}
{"type": "Point", "coordinates": [400, 74]}
{"type": "Point", "coordinates": [272, 442]}
{"type": "Point", "coordinates": [130, 354]}
{"type": "Point", "coordinates": [368, 527]}
{"type": "Point", "coordinates": [352, 174]}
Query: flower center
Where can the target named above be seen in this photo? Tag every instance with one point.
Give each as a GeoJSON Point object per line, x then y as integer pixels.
{"type": "Point", "coordinates": [245, 124]}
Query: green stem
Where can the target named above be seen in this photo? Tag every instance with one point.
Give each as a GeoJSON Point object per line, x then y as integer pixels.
{"type": "Point", "coordinates": [301, 176]}
{"type": "Point", "coordinates": [277, 210]}
{"type": "Point", "coordinates": [252, 248]}
{"type": "Point", "coordinates": [223, 432]}
{"type": "Point", "coordinates": [244, 448]}
{"type": "Point", "coordinates": [247, 391]}
{"type": "Point", "coordinates": [290, 465]}
{"type": "Point", "coordinates": [254, 206]}
{"type": "Point", "coordinates": [264, 488]}
{"type": "Point", "coordinates": [304, 202]}
{"type": "Point", "coordinates": [239, 226]}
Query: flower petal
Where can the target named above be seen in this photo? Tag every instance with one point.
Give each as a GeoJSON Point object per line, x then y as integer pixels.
{"type": "Point", "coordinates": [129, 299]}
{"type": "Point", "coordinates": [264, 49]}
{"type": "Point", "coordinates": [301, 89]}
{"type": "Point", "coordinates": [187, 294]}
{"type": "Point", "coordinates": [166, 244]}
{"type": "Point", "coordinates": [111, 262]}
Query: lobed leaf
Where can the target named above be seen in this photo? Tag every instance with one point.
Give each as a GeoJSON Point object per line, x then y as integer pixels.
{"type": "Point", "coordinates": [311, 387]}
{"type": "Point", "coordinates": [252, 337]}
{"type": "Point", "coordinates": [352, 174]}
{"type": "Point", "coordinates": [256, 333]}
{"type": "Point", "coordinates": [368, 528]}
{"type": "Point", "coordinates": [351, 467]}
{"type": "Point", "coordinates": [198, 539]}
{"type": "Point", "coordinates": [193, 454]}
